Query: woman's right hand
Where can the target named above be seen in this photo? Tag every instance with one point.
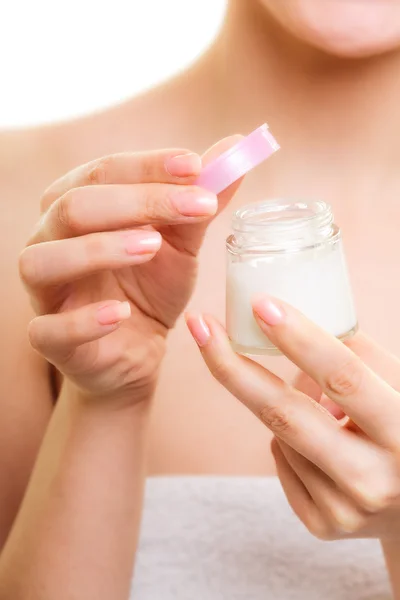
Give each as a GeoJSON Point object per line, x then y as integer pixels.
{"type": "Point", "coordinates": [112, 264]}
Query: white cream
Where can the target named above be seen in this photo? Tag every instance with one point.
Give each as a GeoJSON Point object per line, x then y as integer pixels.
{"type": "Point", "coordinates": [308, 271]}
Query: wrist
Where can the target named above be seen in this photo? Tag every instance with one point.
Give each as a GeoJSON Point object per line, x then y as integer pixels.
{"type": "Point", "coordinates": [391, 551]}
{"type": "Point", "coordinates": [135, 402]}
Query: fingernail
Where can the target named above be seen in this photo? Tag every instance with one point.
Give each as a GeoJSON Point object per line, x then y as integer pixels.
{"type": "Point", "coordinates": [183, 165]}
{"type": "Point", "coordinates": [268, 311]}
{"type": "Point", "coordinates": [192, 204]}
{"type": "Point", "coordinates": [199, 329]}
{"type": "Point", "coordinates": [113, 313]}
{"type": "Point", "coordinates": [142, 242]}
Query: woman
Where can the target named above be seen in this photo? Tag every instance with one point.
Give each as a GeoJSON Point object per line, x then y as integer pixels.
{"type": "Point", "coordinates": [78, 439]}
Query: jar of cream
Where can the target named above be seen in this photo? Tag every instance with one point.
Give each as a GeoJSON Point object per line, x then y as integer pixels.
{"type": "Point", "coordinates": [291, 250]}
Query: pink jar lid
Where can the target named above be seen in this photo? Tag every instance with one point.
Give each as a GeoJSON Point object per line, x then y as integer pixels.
{"type": "Point", "coordinates": [238, 160]}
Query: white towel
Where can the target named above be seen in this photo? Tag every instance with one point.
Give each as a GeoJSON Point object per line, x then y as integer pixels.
{"type": "Point", "coordinates": [213, 538]}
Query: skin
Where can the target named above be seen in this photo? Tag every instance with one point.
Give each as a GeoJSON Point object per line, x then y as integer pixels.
{"type": "Point", "coordinates": [330, 93]}
{"type": "Point", "coordinates": [341, 476]}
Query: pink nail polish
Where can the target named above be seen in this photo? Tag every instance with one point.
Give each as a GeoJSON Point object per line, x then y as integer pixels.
{"type": "Point", "coordinates": [138, 242]}
{"type": "Point", "coordinates": [196, 204]}
{"type": "Point", "coordinates": [183, 165]}
{"type": "Point", "coordinates": [113, 313]}
{"type": "Point", "coordinates": [199, 329]}
{"type": "Point", "coordinates": [268, 311]}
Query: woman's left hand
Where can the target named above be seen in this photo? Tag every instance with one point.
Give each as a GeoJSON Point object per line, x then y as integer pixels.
{"type": "Point", "coordinates": [341, 477]}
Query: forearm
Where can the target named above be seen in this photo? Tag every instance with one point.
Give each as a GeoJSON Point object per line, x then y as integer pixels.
{"type": "Point", "coordinates": [76, 533]}
{"type": "Point", "coordinates": [392, 555]}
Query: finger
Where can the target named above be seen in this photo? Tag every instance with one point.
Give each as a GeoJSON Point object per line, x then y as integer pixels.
{"type": "Point", "coordinates": [57, 336]}
{"type": "Point", "coordinates": [332, 407]}
{"type": "Point", "coordinates": [382, 362]}
{"type": "Point", "coordinates": [162, 166]}
{"type": "Point", "coordinates": [342, 515]}
{"type": "Point", "coordinates": [368, 400]}
{"type": "Point", "coordinates": [305, 384]}
{"type": "Point", "coordinates": [287, 412]}
{"type": "Point", "coordinates": [106, 208]}
{"type": "Point", "coordinates": [358, 467]}
{"type": "Point", "coordinates": [297, 495]}
{"type": "Point", "coordinates": [188, 237]}
{"type": "Point", "coordinates": [62, 261]}
{"type": "Point", "coordinates": [377, 358]}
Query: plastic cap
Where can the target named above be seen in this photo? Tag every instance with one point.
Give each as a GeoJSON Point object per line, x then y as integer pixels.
{"type": "Point", "coordinates": [238, 160]}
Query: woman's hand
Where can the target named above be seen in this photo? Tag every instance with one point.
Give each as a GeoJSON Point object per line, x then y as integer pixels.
{"type": "Point", "coordinates": [112, 264]}
{"type": "Point", "coordinates": [341, 476]}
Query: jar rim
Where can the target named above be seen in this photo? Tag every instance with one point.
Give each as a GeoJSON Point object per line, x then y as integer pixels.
{"type": "Point", "coordinates": [282, 226]}
{"type": "Point", "coordinates": [278, 214]}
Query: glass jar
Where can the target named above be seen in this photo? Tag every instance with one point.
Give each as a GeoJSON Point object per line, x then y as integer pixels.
{"type": "Point", "coordinates": [292, 251]}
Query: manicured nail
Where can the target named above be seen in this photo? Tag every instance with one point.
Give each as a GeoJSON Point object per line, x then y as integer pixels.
{"type": "Point", "coordinates": [268, 311]}
{"type": "Point", "coordinates": [183, 165]}
{"type": "Point", "coordinates": [192, 204]}
{"type": "Point", "coordinates": [142, 242]}
{"type": "Point", "coordinates": [199, 329]}
{"type": "Point", "coordinates": [113, 313]}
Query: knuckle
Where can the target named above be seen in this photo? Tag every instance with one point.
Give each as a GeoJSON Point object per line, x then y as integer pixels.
{"type": "Point", "coordinates": [319, 526]}
{"type": "Point", "coordinates": [276, 419]}
{"type": "Point", "coordinates": [345, 522]}
{"type": "Point", "coordinates": [336, 520]}
{"type": "Point", "coordinates": [35, 336]}
{"type": "Point", "coordinates": [66, 213]}
{"type": "Point", "coordinates": [173, 197]}
{"type": "Point", "coordinates": [148, 167]}
{"type": "Point", "coordinates": [346, 380]}
{"type": "Point", "coordinates": [72, 329]}
{"type": "Point", "coordinates": [27, 265]}
{"type": "Point", "coordinates": [152, 207]}
{"type": "Point", "coordinates": [99, 172]}
{"type": "Point", "coordinates": [375, 485]}
{"type": "Point", "coordinates": [322, 530]}
{"type": "Point", "coordinates": [274, 447]}
{"type": "Point", "coordinates": [374, 498]}
{"type": "Point", "coordinates": [94, 248]}
{"type": "Point", "coordinates": [222, 371]}
{"type": "Point", "coordinates": [38, 233]}
{"type": "Point", "coordinates": [45, 202]}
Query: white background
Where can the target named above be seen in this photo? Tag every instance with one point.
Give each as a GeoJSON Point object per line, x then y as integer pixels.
{"type": "Point", "coordinates": [63, 58]}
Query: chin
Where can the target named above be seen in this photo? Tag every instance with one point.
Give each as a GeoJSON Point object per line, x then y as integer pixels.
{"type": "Point", "coordinates": [347, 28]}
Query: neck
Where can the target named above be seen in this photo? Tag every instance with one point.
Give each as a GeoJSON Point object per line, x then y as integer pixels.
{"type": "Point", "coordinates": [342, 109]}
